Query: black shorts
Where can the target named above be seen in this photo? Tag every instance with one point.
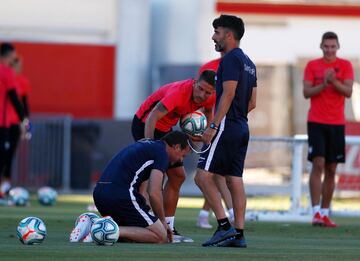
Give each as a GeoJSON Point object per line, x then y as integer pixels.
{"type": "Point", "coordinates": [126, 209]}
{"type": "Point", "coordinates": [327, 141]}
{"type": "Point", "coordinates": [228, 149]}
{"type": "Point", "coordinates": [138, 131]}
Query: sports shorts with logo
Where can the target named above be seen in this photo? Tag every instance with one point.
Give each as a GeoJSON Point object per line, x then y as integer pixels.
{"type": "Point", "coordinates": [326, 140]}
{"type": "Point", "coordinates": [228, 149]}
{"type": "Point", "coordinates": [127, 208]}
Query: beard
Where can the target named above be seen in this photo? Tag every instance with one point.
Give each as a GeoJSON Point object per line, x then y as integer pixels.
{"type": "Point", "coordinates": [219, 48]}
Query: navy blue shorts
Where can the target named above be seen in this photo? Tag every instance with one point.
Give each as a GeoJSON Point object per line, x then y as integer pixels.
{"type": "Point", "coordinates": [326, 141]}
{"type": "Point", "coordinates": [228, 149]}
{"type": "Point", "coordinates": [112, 200]}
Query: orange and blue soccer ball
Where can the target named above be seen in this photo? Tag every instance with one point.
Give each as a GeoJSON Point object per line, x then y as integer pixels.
{"type": "Point", "coordinates": [31, 230]}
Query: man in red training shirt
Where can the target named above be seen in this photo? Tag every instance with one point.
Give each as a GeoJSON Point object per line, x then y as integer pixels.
{"type": "Point", "coordinates": [160, 112]}
{"type": "Point", "coordinates": [327, 81]}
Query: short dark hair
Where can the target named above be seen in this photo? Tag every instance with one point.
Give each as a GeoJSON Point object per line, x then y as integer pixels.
{"type": "Point", "coordinates": [231, 22]}
{"type": "Point", "coordinates": [176, 137]}
{"type": "Point", "coordinates": [6, 48]}
{"type": "Point", "coordinates": [329, 35]}
{"type": "Point", "coordinates": [208, 76]}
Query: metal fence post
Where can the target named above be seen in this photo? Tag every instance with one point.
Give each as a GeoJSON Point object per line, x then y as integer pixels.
{"type": "Point", "coordinates": [296, 173]}
{"type": "Point", "coordinates": [66, 155]}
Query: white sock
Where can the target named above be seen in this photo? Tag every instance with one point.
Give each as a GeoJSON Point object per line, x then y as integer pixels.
{"type": "Point", "coordinates": [316, 209]}
{"type": "Point", "coordinates": [170, 221]}
{"type": "Point", "coordinates": [203, 213]}
{"type": "Point", "coordinates": [5, 187]}
{"type": "Point", "coordinates": [231, 213]}
{"type": "Point", "coordinates": [324, 212]}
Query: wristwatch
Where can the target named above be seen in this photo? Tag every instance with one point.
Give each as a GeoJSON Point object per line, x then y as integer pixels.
{"type": "Point", "coordinates": [213, 126]}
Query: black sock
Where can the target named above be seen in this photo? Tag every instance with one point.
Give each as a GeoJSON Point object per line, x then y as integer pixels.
{"type": "Point", "coordinates": [224, 223]}
{"type": "Point", "coordinates": [240, 232]}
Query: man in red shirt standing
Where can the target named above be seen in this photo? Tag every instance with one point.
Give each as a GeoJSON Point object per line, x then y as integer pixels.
{"type": "Point", "coordinates": [327, 81]}
{"type": "Point", "coordinates": [22, 87]}
{"type": "Point", "coordinates": [8, 100]}
{"type": "Point", "coordinates": [160, 112]}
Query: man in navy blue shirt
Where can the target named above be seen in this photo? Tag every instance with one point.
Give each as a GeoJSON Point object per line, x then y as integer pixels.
{"type": "Point", "coordinates": [228, 132]}
{"type": "Point", "coordinates": [117, 192]}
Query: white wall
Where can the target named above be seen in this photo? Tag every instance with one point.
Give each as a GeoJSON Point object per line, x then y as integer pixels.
{"type": "Point", "coordinates": [149, 33]}
{"type": "Point", "coordinates": [83, 21]}
{"type": "Point", "coordinates": [181, 31]}
{"type": "Point", "coordinates": [132, 56]}
{"type": "Point", "coordinates": [285, 39]}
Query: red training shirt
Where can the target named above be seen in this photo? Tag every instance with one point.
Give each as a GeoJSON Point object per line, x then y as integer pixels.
{"type": "Point", "coordinates": [177, 99]}
{"type": "Point", "coordinates": [7, 82]}
{"type": "Point", "coordinates": [328, 106]}
{"type": "Point", "coordinates": [22, 89]}
{"type": "Point", "coordinates": [213, 65]}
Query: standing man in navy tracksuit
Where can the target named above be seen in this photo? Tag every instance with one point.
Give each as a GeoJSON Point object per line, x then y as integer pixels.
{"type": "Point", "coordinates": [229, 132]}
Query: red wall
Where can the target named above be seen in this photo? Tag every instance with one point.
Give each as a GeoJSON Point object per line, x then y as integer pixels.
{"type": "Point", "coordinates": [70, 78]}
{"type": "Point", "coordinates": [307, 8]}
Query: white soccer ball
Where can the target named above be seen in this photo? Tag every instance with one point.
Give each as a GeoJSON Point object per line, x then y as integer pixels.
{"type": "Point", "coordinates": [105, 231]}
{"type": "Point", "coordinates": [47, 196]}
{"type": "Point", "coordinates": [19, 196]}
{"type": "Point", "coordinates": [31, 230]}
{"type": "Point", "coordinates": [91, 215]}
{"type": "Point", "coordinates": [193, 123]}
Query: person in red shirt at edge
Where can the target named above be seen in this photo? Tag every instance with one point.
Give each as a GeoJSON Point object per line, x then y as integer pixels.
{"type": "Point", "coordinates": [203, 218]}
{"type": "Point", "coordinates": [8, 99]}
{"type": "Point", "coordinates": [327, 81]}
{"type": "Point", "coordinates": [159, 113]}
{"type": "Point", "coordinates": [22, 87]}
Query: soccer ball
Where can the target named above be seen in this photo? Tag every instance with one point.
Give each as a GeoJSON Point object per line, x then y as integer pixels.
{"type": "Point", "coordinates": [105, 231]}
{"type": "Point", "coordinates": [19, 196]}
{"type": "Point", "coordinates": [31, 230]}
{"type": "Point", "coordinates": [92, 217]}
{"type": "Point", "coordinates": [193, 123]}
{"type": "Point", "coordinates": [47, 196]}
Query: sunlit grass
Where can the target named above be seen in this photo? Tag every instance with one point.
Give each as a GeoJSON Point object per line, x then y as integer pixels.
{"type": "Point", "coordinates": [256, 203]}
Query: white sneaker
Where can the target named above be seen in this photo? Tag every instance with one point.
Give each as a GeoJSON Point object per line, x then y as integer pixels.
{"type": "Point", "coordinates": [177, 238]}
{"type": "Point", "coordinates": [203, 222]}
{"type": "Point", "coordinates": [88, 239]}
{"type": "Point", "coordinates": [82, 229]}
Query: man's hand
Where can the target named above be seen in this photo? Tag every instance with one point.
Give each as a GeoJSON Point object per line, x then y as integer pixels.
{"type": "Point", "coordinates": [25, 129]}
{"type": "Point", "coordinates": [208, 135]}
{"type": "Point", "coordinates": [196, 138]}
{"type": "Point", "coordinates": [329, 76]}
{"type": "Point", "coordinates": [168, 231]}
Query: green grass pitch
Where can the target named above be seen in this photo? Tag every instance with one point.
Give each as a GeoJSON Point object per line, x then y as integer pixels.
{"type": "Point", "coordinates": [266, 241]}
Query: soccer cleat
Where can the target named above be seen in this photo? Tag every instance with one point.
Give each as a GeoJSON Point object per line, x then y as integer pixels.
{"type": "Point", "coordinates": [327, 222]}
{"type": "Point", "coordinates": [81, 230]}
{"type": "Point", "coordinates": [233, 242]}
{"type": "Point", "coordinates": [177, 238]}
{"type": "Point", "coordinates": [219, 236]}
{"type": "Point", "coordinates": [317, 220]}
{"type": "Point", "coordinates": [203, 222]}
{"type": "Point", "coordinates": [88, 239]}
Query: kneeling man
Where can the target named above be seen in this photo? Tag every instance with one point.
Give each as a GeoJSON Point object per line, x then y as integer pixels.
{"type": "Point", "coordinates": [117, 192]}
